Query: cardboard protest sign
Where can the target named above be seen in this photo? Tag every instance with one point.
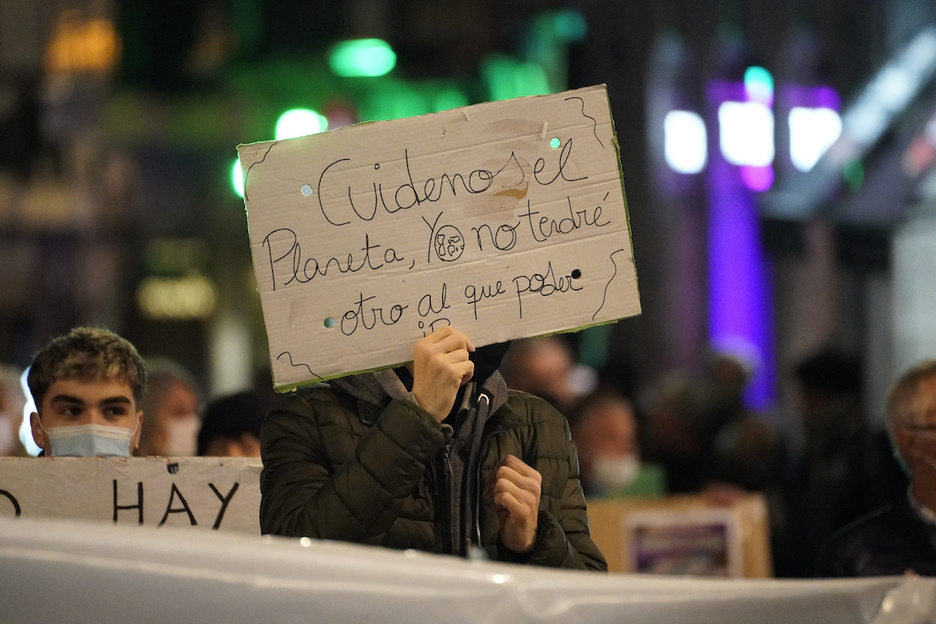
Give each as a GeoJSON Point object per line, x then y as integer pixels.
{"type": "Point", "coordinates": [503, 219]}
{"type": "Point", "coordinates": [202, 492]}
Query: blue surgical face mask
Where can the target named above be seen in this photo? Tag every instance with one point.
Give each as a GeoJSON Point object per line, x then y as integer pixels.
{"type": "Point", "coordinates": [90, 441]}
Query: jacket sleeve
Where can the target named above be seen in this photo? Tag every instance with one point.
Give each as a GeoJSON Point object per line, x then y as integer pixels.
{"type": "Point", "coordinates": [352, 493]}
{"type": "Point", "coordinates": [563, 540]}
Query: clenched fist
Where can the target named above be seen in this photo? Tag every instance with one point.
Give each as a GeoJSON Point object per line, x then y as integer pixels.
{"type": "Point", "coordinates": [440, 366]}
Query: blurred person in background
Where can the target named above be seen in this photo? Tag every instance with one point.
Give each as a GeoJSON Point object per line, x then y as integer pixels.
{"type": "Point", "coordinates": [844, 470]}
{"type": "Point", "coordinates": [87, 385]}
{"type": "Point", "coordinates": [12, 402]}
{"type": "Point", "coordinates": [900, 537]}
{"type": "Point", "coordinates": [671, 437]}
{"type": "Point", "coordinates": [172, 404]}
{"type": "Point", "coordinates": [605, 431]}
{"type": "Point", "coordinates": [231, 425]}
{"type": "Point", "coordinates": [546, 366]}
{"type": "Point", "coordinates": [744, 451]}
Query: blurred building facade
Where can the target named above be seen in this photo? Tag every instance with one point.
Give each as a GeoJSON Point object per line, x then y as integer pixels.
{"type": "Point", "coordinates": [120, 120]}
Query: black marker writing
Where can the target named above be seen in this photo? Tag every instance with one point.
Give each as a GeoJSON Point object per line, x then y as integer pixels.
{"type": "Point", "coordinates": [604, 296]}
{"type": "Point", "coordinates": [426, 307]}
{"type": "Point", "coordinates": [542, 227]}
{"type": "Point", "coordinates": [138, 506]}
{"type": "Point", "coordinates": [286, 264]}
{"type": "Point", "coordinates": [544, 284]}
{"type": "Point", "coordinates": [396, 195]}
{"type": "Point", "coordinates": [564, 155]}
{"type": "Point", "coordinates": [368, 316]}
{"type": "Point", "coordinates": [587, 116]}
{"type": "Point", "coordinates": [16, 506]}
{"type": "Point", "coordinates": [183, 509]}
{"type": "Point", "coordinates": [474, 294]}
{"type": "Point", "coordinates": [225, 501]}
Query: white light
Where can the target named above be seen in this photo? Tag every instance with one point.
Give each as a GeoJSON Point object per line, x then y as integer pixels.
{"type": "Point", "coordinates": [299, 122]}
{"type": "Point", "coordinates": [746, 131]}
{"type": "Point", "coordinates": [237, 177]}
{"type": "Point", "coordinates": [684, 141]}
{"type": "Point", "coordinates": [812, 132]}
{"type": "Point", "coordinates": [25, 430]}
{"type": "Point", "coordinates": [894, 87]}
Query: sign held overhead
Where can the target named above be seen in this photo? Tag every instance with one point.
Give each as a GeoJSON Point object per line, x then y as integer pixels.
{"type": "Point", "coordinates": [504, 219]}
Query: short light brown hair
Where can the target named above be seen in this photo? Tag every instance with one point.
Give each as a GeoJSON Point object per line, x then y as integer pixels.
{"type": "Point", "coordinates": [900, 408]}
{"type": "Point", "coordinates": [86, 354]}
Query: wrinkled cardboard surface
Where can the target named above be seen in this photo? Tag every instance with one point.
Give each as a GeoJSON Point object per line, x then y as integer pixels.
{"type": "Point", "coordinates": [504, 219]}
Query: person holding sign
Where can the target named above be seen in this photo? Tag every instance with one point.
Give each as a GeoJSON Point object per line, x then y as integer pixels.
{"type": "Point", "coordinates": [86, 385]}
{"type": "Point", "coordinates": [437, 455]}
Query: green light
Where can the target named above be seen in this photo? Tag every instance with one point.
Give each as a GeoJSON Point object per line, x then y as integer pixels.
{"type": "Point", "coordinates": [396, 101]}
{"type": "Point", "coordinates": [237, 178]}
{"type": "Point", "coordinates": [853, 174]}
{"type": "Point", "coordinates": [361, 58]}
{"type": "Point", "coordinates": [759, 85]}
{"type": "Point", "coordinates": [570, 25]}
{"type": "Point", "coordinates": [508, 78]}
{"type": "Point", "coordinates": [449, 98]}
{"type": "Point", "coordinates": [299, 122]}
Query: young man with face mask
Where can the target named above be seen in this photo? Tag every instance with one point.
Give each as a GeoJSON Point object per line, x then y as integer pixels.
{"type": "Point", "coordinates": [86, 385]}
{"type": "Point", "coordinates": [437, 455]}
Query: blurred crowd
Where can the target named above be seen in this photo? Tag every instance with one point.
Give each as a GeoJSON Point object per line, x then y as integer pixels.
{"type": "Point", "coordinates": [686, 433]}
{"type": "Point", "coordinates": [692, 433]}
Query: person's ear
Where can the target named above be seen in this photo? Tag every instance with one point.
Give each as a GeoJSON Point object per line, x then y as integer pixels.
{"type": "Point", "coordinates": [135, 442]}
{"type": "Point", "coordinates": [40, 437]}
{"type": "Point", "coordinates": [906, 446]}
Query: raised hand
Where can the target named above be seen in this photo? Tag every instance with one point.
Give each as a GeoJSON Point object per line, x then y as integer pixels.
{"type": "Point", "coordinates": [440, 366]}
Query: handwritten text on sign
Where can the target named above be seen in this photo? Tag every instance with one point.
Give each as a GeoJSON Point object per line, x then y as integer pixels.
{"type": "Point", "coordinates": [504, 219]}
{"type": "Point", "coordinates": [203, 492]}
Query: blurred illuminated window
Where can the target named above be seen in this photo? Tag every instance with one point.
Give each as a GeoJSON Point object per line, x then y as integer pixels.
{"type": "Point", "coordinates": [82, 45]}
{"type": "Point", "coordinates": [812, 132]}
{"type": "Point", "coordinates": [685, 142]}
{"type": "Point", "coordinates": [746, 133]}
{"type": "Point", "coordinates": [176, 298]}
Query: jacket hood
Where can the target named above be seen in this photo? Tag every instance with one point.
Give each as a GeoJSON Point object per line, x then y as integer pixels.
{"type": "Point", "coordinates": [379, 387]}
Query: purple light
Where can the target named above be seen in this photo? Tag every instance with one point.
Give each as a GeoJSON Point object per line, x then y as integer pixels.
{"type": "Point", "coordinates": [740, 293]}
{"type": "Point", "coordinates": [811, 97]}
{"type": "Point", "coordinates": [758, 179]}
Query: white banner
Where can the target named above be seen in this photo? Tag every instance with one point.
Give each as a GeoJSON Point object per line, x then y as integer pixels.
{"type": "Point", "coordinates": [59, 571]}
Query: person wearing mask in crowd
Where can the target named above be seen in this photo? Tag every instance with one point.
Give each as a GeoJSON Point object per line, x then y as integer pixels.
{"type": "Point", "coordinates": [12, 404]}
{"type": "Point", "coordinates": [436, 455]}
{"type": "Point", "coordinates": [231, 425]}
{"type": "Point", "coordinates": [604, 428]}
{"type": "Point", "coordinates": [900, 537]}
{"type": "Point", "coordinates": [87, 385]}
{"type": "Point", "coordinates": [172, 403]}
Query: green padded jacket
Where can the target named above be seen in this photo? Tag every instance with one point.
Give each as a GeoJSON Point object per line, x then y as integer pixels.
{"type": "Point", "coordinates": [357, 460]}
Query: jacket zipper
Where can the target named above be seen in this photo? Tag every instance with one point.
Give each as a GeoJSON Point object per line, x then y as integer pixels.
{"type": "Point", "coordinates": [447, 529]}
